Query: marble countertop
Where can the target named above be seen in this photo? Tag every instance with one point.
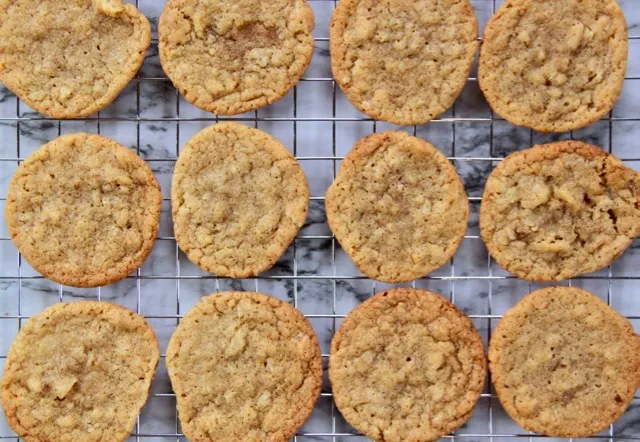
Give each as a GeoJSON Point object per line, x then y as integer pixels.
{"type": "Point", "coordinates": [314, 274]}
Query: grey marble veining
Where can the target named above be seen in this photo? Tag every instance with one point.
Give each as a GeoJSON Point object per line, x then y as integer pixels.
{"type": "Point", "coordinates": [326, 285]}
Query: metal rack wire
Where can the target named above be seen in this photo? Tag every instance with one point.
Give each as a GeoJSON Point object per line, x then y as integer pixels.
{"type": "Point", "coordinates": [336, 433]}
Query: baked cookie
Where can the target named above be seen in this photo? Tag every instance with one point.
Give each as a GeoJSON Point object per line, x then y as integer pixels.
{"type": "Point", "coordinates": [244, 366]}
{"type": "Point", "coordinates": [406, 365]}
{"type": "Point", "coordinates": [397, 207]}
{"type": "Point", "coordinates": [79, 371]}
{"type": "Point", "coordinates": [70, 59]}
{"type": "Point", "coordinates": [84, 210]}
{"type": "Point", "coordinates": [238, 199]}
{"type": "Point", "coordinates": [554, 66]}
{"type": "Point", "coordinates": [564, 363]}
{"type": "Point", "coordinates": [559, 210]}
{"type": "Point", "coordinates": [403, 61]}
{"type": "Point", "coordinates": [234, 56]}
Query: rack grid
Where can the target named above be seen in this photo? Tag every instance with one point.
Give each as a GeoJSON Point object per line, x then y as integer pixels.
{"type": "Point", "coordinates": [461, 281]}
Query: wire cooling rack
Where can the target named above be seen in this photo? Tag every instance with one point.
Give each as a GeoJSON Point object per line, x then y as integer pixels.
{"type": "Point", "coordinates": [319, 125]}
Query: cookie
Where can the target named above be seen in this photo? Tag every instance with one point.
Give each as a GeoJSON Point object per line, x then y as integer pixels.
{"type": "Point", "coordinates": [397, 207]}
{"type": "Point", "coordinates": [79, 371]}
{"type": "Point", "coordinates": [564, 363]}
{"type": "Point", "coordinates": [83, 210]}
{"type": "Point", "coordinates": [244, 366]}
{"type": "Point", "coordinates": [554, 66]}
{"type": "Point", "coordinates": [238, 199]}
{"type": "Point", "coordinates": [406, 365]}
{"type": "Point", "coordinates": [403, 61]}
{"type": "Point", "coordinates": [70, 59]}
{"type": "Point", "coordinates": [559, 210]}
{"type": "Point", "coordinates": [234, 56]}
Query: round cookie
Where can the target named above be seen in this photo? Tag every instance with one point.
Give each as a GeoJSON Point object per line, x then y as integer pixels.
{"type": "Point", "coordinates": [554, 66]}
{"type": "Point", "coordinates": [403, 61]}
{"type": "Point", "coordinates": [244, 366]}
{"type": "Point", "coordinates": [406, 365]}
{"type": "Point", "coordinates": [79, 371]}
{"type": "Point", "coordinates": [234, 56]}
{"type": "Point", "coordinates": [397, 207]}
{"type": "Point", "coordinates": [70, 59]}
{"type": "Point", "coordinates": [84, 210]}
{"type": "Point", "coordinates": [238, 199]}
{"type": "Point", "coordinates": [559, 210]}
{"type": "Point", "coordinates": [564, 363]}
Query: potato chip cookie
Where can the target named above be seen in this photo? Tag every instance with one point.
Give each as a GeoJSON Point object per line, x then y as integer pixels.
{"type": "Point", "coordinates": [238, 199]}
{"type": "Point", "coordinates": [79, 371]}
{"type": "Point", "coordinates": [554, 66]}
{"type": "Point", "coordinates": [234, 56]}
{"type": "Point", "coordinates": [564, 363]}
{"type": "Point", "coordinates": [244, 366]}
{"type": "Point", "coordinates": [70, 59]}
{"type": "Point", "coordinates": [84, 210]}
{"type": "Point", "coordinates": [397, 207]}
{"type": "Point", "coordinates": [403, 61]}
{"type": "Point", "coordinates": [559, 210]}
{"type": "Point", "coordinates": [407, 365]}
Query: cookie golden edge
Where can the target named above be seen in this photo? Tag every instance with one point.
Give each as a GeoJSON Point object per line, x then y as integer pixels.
{"type": "Point", "coordinates": [117, 87]}
{"type": "Point", "coordinates": [509, 322]}
{"type": "Point", "coordinates": [294, 315]}
{"type": "Point", "coordinates": [115, 312]}
{"type": "Point", "coordinates": [364, 148]}
{"type": "Point", "coordinates": [352, 320]}
{"type": "Point", "coordinates": [82, 279]}
{"type": "Point", "coordinates": [493, 29]}
{"type": "Point", "coordinates": [178, 232]}
{"type": "Point", "coordinates": [294, 79]}
{"type": "Point", "coordinates": [542, 152]}
{"type": "Point", "coordinates": [336, 30]}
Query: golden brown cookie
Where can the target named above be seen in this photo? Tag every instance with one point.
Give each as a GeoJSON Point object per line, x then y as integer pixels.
{"type": "Point", "coordinates": [233, 56]}
{"type": "Point", "coordinates": [397, 207]}
{"type": "Point", "coordinates": [406, 365]}
{"type": "Point", "coordinates": [70, 59]}
{"type": "Point", "coordinates": [554, 66]}
{"type": "Point", "coordinates": [84, 210]}
{"type": "Point", "coordinates": [244, 366]}
{"type": "Point", "coordinates": [238, 199]}
{"type": "Point", "coordinates": [559, 210]}
{"type": "Point", "coordinates": [403, 61]}
{"type": "Point", "coordinates": [564, 363]}
{"type": "Point", "coordinates": [79, 371]}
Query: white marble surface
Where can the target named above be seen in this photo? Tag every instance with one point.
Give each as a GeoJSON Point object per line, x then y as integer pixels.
{"type": "Point", "coordinates": [315, 275]}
